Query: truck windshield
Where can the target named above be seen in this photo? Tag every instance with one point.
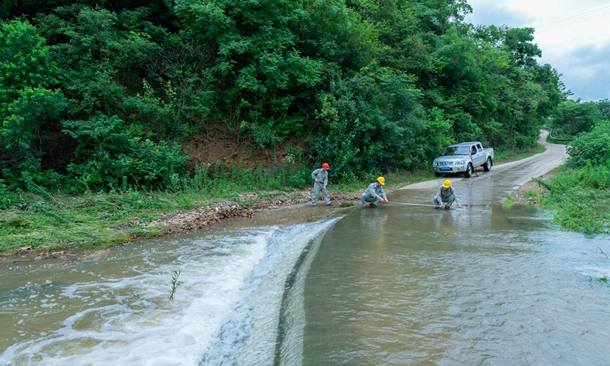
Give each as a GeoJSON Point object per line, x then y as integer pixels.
{"type": "Point", "coordinates": [456, 150]}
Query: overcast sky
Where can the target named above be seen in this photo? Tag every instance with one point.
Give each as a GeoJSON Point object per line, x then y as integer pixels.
{"type": "Point", "coordinates": [574, 37]}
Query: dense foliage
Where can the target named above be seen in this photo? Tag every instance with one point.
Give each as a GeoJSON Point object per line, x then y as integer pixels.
{"type": "Point", "coordinates": [97, 93]}
{"type": "Point", "coordinates": [573, 117]}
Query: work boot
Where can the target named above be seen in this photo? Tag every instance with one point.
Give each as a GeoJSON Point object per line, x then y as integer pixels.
{"type": "Point", "coordinates": [373, 205]}
{"type": "Point", "coordinates": [437, 207]}
{"type": "Point", "coordinates": [447, 207]}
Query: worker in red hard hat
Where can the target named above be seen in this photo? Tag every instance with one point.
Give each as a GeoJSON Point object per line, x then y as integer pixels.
{"type": "Point", "coordinates": [320, 177]}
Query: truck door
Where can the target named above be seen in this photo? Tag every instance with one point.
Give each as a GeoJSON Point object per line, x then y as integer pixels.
{"type": "Point", "coordinates": [480, 155]}
{"type": "Point", "coordinates": [474, 154]}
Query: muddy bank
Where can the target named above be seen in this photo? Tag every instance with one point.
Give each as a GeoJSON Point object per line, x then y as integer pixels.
{"type": "Point", "coordinates": [269, 207]}
{"type": "Point", "coordinates": [531, 192]}
{"type": "Point", "coordinates": [248, 205]}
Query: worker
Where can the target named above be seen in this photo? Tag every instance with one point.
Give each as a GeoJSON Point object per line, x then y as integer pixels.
{"type": "Point", "coordinates": [320, 177]}
{"type": "Point", "coordinates": [374, 193]}
{"type": "Point", "coordinates": [446, 196]}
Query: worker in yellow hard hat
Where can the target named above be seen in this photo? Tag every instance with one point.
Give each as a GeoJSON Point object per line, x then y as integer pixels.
{"type": "Point", "coordinates": [446, 196]}
{"type": "Point", "coordinates": [374, 193]}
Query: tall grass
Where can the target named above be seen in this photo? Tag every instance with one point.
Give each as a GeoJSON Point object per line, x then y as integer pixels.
{"type": "Point", "coordinates": [581, 198]}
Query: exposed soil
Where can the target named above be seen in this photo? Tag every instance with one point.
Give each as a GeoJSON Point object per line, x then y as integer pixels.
{"type": "Point", "coordinates": [229, 148]}
{"type": "Point", "coordinates": [524, 195]}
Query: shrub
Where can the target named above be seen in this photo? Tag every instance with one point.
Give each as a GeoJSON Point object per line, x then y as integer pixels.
{"type": "Point", "coordinates": [592, 147]}
{"type": "Point", "coordinates": [7, 198]}
{"type": "Point", "coordinates": [113, 156]}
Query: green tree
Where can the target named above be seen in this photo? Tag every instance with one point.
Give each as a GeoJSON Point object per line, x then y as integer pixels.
{"type": "Point", "coordinates": [574, 116]}
{"type": "Point", "coordinates": [28, 105]}
{"type": "Point", "coordinates": [604, 108]}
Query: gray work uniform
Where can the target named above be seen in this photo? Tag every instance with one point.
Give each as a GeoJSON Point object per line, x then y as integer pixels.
{"type": "Point", "coordinates": [322, 177]}
{"type": "Point", "coordinates": [371, 194]}
{"type": "Point", "coordinates": [445, 196]}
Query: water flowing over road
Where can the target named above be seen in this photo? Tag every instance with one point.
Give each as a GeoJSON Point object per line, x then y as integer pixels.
{"type": "Point", "coordinates": [398, 285]}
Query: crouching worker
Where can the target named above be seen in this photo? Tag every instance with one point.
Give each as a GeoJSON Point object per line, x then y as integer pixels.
{"type": "Point", "coordinates": [320, 177]}
{"type": "Point", "coordinates": [374, 193]}
{"type": "Point", "coordinates": [446, 196]}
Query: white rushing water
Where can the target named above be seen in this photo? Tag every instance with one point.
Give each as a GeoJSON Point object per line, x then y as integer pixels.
{"type": "Point", "coordinates": [226, 311]}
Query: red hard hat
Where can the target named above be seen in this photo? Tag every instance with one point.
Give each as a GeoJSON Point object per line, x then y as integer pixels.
{"type": "Point", "coordinates": [325, 166]}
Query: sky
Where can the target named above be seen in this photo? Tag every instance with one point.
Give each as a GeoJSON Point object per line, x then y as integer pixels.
{"type": "Point", "coordinates": [574, 36]}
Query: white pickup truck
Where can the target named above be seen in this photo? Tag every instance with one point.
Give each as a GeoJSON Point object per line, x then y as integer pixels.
{"type": "Point", "coordinates": [463, 158]}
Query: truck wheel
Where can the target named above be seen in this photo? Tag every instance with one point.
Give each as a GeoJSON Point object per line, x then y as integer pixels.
{"type": "Point", "coordinates": [468, 171]}
{"type": "Point", "coordinates": [487, 166]}
{"type": "Point", "coordinates": [437, 174]}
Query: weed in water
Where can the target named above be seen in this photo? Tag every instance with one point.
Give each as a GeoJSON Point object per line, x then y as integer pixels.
{"type": "Point", "coordinates": [603, 279]}
{"type": "Point", "coordinates": [175, 284]}
{"type": "Point", "coordinates": [530, 194]}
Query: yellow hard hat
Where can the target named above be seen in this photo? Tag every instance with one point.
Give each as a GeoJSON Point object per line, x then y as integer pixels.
{"type": "Point", "coordinates": [447, 183]}
{"type": "Point", "coordinates": [381, 180]}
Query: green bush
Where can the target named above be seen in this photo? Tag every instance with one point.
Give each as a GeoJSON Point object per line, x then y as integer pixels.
{"type": "Point", "coordinates": [112, 156]}
{"type": "Point", "coordinates": [591, 147]}
{"type": "Point", "coordinates": [580, 197]}
{"type": "Point", "coordinates": [8, 198]}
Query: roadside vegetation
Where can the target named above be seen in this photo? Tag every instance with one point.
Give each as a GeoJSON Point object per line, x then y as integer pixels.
{"type": "Point", "coordinates": [580, 193]}
{"type": "Point", "coordinates": [505, 156]}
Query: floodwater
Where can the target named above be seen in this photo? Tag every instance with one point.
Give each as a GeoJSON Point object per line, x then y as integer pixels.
{"type": "Point", "coordinates": [398, 285]}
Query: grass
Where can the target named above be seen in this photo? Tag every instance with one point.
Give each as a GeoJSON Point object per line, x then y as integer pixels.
{"type": "Point", "coordinates": [100, 218]}
{"type": "Point", "coordinates": [505, 156]}
{"type": "Point", "coordinates": [530, 194]}
{"type": "Point", "coordinates": [580, 198]}
{"type": "Point", "coordinates": [508, 202]}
